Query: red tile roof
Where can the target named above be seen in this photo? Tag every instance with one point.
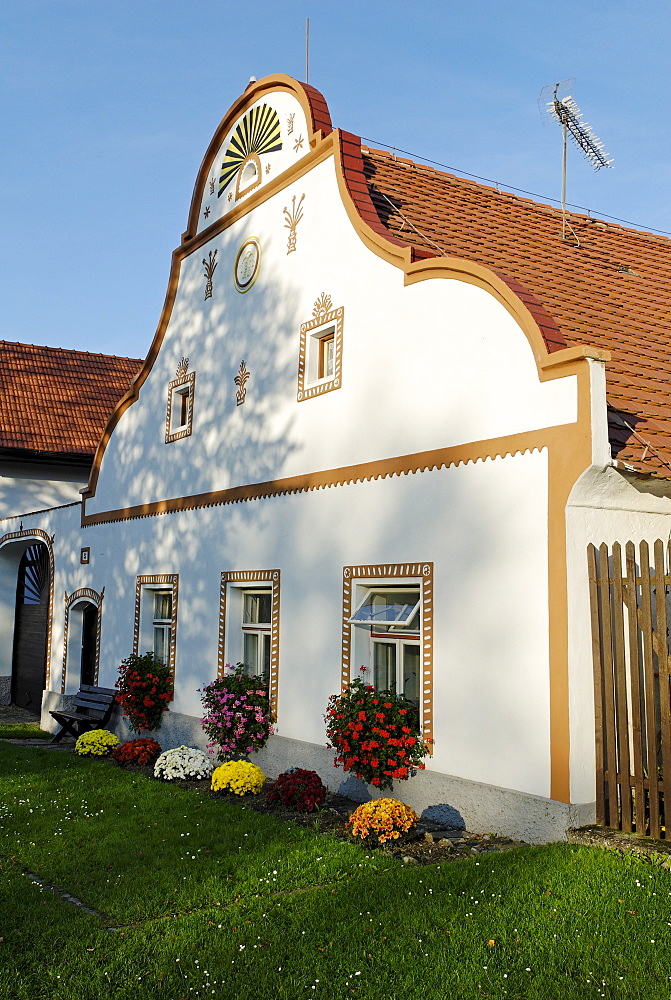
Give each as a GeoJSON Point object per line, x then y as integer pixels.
{"type": "Point", "coordinates": [58, 401]}
{"type": "Point", "coordinates": [604, 285]}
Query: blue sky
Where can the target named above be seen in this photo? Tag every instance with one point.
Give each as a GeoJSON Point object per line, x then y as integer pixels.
{"type": "Point", "coordinates": [109, 105]}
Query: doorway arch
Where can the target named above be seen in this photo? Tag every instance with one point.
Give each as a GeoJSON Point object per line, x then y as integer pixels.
{"type": "Point", "coordinates": [26, 614]}
{"type": "Point", "coordinates": [81, 641]}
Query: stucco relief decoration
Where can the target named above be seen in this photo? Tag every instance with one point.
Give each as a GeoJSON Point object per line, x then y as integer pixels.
{"type": "Point", "coordinates": [321, 307]}
{"type": "Point", "coordinates": [212, 183]}
{"type": "Point", "coordinates": [182, 368]}
{"type": "Point", "coordinates": [210, 262]}
{"type": "Point", "coordinates": [257, 134]}
{"type": "Point", "coordinates": [290, 123]}
{"type": "Point", "coordinates": [247, 264]}
{"type": "Point", "coordinates": [241, 382]}
{"type": "Point", "coordinates": [291, 219]}
{"type": "Point", "coordinates": [298, 144]}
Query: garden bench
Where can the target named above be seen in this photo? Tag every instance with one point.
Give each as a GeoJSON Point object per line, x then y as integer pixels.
{"type": "Point", "coordinates": [91, 709]}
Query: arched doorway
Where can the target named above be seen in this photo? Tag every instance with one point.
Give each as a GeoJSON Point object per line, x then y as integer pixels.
{"type": "Point", "coordinates": [88, 658]}
{"type": "Point", "coordinates": [31, 622]}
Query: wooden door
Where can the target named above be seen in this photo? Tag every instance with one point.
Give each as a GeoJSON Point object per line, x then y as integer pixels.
{"type": "Point", "coordinates": [29, 662]}
{"type": "Point", "coordinates": [89, 644]}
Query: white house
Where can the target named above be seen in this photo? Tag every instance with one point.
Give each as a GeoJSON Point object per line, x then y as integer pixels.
{"type": "Point", "coordinates": [374, 384]}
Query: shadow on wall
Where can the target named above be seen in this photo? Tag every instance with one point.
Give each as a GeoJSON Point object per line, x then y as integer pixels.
{"type": "Point", "coordinates": [231, 444]}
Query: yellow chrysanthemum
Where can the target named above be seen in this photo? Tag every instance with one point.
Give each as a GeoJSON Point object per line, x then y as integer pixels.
{"type": "Point", "coordinates": [97, 743]}
{"type": "Point", "coordinates": [238, 776]}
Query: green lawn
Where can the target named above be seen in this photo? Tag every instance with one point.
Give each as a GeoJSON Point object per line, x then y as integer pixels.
{"type": "Point", "coordinates": [23, 731]}
{"type": "Point", "coordinates": [202, 898]}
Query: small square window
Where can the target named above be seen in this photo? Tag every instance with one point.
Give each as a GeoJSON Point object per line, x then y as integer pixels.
{"type": "Point", "coordinates": [179, 417]}
{"type": "Point", "coordinates": [320, 354]}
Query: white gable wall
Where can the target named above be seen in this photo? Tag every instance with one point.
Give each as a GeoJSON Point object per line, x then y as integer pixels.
{"type": "Point", "coordinates": [431, 365]}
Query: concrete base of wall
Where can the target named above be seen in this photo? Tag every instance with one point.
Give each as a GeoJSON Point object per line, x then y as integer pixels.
{"type": "Point", "coordinates": [477, 807]}
{"type": "Point", "coordinates": [5, 690]}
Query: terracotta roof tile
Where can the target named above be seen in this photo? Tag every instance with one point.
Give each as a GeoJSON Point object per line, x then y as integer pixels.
{"type": "Point", "coordinates": [58, 401]}
{"type": "Point", "coordinates": [609, 287]}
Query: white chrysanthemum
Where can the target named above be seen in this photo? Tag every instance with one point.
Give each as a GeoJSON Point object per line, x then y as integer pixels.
{"type": "Point", "coordinates": [183, 763]}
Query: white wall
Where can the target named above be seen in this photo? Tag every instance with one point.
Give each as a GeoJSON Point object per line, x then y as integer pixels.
{"type": "Point", "coordinates": [434, 364]}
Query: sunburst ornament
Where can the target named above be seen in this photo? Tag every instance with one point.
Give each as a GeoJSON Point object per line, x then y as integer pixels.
{"type": "Point", "coordinates": [258, 132]}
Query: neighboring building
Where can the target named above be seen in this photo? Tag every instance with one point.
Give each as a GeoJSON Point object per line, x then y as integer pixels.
{"type": "Point", "coordinates": [54, 406]}
{"type": "Point", "coordinates": [374, 385]}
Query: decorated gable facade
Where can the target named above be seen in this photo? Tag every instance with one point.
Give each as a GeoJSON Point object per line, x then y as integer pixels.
{"type": "Point", "coordinates": [371, 387]}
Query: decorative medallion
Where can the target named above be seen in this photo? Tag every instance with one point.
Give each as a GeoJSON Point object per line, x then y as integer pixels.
{"type": "Point", "coordinates": [290, 123]}
{"type": "Point", "coordinates": [210, 266]}
{"type": "Point", "coordinates": [247, 264]}
{"type": "Point", "coordinates": [241, 382]}
{"type": "Point", "coordinates": [256, 134]}
{"type": "Point", "coordinates": [292, 218]}
{"type": "Point", "coordinates": [182, 368]}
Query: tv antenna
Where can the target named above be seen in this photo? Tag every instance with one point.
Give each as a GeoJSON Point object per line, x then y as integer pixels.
{"type": "Point", "coordinates": [562, 107]}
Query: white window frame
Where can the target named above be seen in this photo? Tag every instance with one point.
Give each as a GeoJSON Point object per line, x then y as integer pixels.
{"type": "Point", "coordinates": [260, 631]}
{"type": "Point", "coordinates": [369, 634]}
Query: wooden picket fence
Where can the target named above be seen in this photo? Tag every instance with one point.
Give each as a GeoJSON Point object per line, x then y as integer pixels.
{"type": "Point", "coordinates": [632, 695]}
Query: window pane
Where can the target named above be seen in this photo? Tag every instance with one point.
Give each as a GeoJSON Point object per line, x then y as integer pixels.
{"type": "Point", "coordinates": [384, 666]}
{"type": "Point", "coordinates": [411, 673]}
{"type": "Point", "coordinates": [251, 652]}
{"type": "Point", "coordinates": [162, 642]}
{"type": "Point", "coordinates": [256, 610]}
{"type": "Point", "coordinates": [392, 607]}
{"type": "Point", "coordinates": [162, 606]}
{"type": "Point", "coordinates": [265, 672]}
{"type": "Point", "coordinates": [327, 347]}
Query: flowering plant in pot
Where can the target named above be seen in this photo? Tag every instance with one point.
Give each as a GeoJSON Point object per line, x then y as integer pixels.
{"type": "Point", "coordinates": [145, 688]}
{"type": "Point", "coordinates": [297, 789]}
{"type": "Point", "coordinates": [236, 713]}
{"type": "Point", "coordinates": [183, 764]}
{"type": "Point", "coordinates": [375, 734]}
{"type": "Point", "coordinates": [143, 751]}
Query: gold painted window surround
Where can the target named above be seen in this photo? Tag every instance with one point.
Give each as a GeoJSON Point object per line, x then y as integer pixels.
{"type": "Point", "coordinates": [419, 574]}
{"type": "Point", "coordinates": [179, 412]}
{"type": "Point", "coordinates": [326, 324]}
{"type": "Point", "coordinates": [145, 588]}
{"type": "Point", "coordinates": [253, 578]}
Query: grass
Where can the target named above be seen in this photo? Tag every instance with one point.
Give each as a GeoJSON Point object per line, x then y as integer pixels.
{"type": "Point", "coordinates": [208, 898]}
{"type": "Point", "coordinates": [23, 731]}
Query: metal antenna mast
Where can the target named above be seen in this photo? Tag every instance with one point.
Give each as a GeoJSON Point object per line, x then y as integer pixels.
{"type": "Point", "coordinates": [564, 110]}
{"type": "Point", "coordinates": [307, 49]}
